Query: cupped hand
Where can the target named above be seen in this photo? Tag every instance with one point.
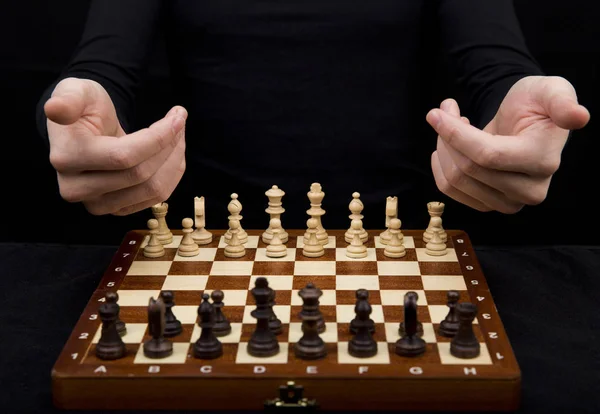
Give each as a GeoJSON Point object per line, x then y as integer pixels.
{"type": "Point", "coordinates": [510, 163]}
{"type": "Point", "coordinates": [101, 166]}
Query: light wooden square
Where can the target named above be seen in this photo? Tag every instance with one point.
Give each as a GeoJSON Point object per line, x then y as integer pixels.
{"type": "Point", "coordinates": [438, 313]}
{"type": "Point", "coordinates": [340, 256]}
{"type": "Point", "coordinates": [136, 297]}
{"type": "Point", "coordinates": [450, 256]}
{"type": "Point", "coordinates": [331, 243]}
{"type": "Point", "coordinates": [396, 297]}
{"type": "Point", "coordinates": [443, 282]}
{"type": "Point", "coordinates": [382, 356]}
{"type": "Point", "coordinates": [149, 268]}
{"type": "Point", "coordinates": [231, 268]}
{"type": "Point", "coordinates": [392, 335]}
{"type": "Point", "coordinates": [328, 298]}
{"type": "Point", "coordinates": [252, 242]}
{"type": "Point", "coordinates": [314, 268]}
{"type": "Point", "coordinates": [135, 333]}
{"type": "Point", "coordinates": [330, 335]}
{"type": "Point", "coordinates": [233, 297]}
{"type": "Point", "coordinates": [408, 242]}
{"type": "Point", "coordinates": [179, 356]}
{"type": "Point", "coordinates": [345, 313]}
{"type": "Point", "coordinates": [232, 338]}
{"type": "Point", "coordinates": [184, 283]}
{"type": "Point", "coordinates": [207, 254]}
{"type": "Point", "coordinates": [281, 311]}
{"type": "Point", "coordinates": [448, 359]}
{"type": "Point", "coordinates": [185, 313]}
{"type": "Point", "coordinates": [243, 357]}
{"type": "Point", "coordinates": [393, 268]}
{"type": "Point", "coordinates": [353, 282]}
{"type": "Point", "coordinates": [261, 256]}
{"type": "Point", "coordinates": [278, 282]}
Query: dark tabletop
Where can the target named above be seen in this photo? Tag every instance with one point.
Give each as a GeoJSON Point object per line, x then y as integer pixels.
{"type": "Point", "coordinates": [548, 298]}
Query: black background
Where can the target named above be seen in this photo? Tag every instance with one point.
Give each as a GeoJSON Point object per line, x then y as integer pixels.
{"type": "Point", "coordinates": [39, 37]}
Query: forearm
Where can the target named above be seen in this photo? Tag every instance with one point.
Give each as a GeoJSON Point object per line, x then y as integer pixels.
{"type": "Point", "coordinates": [486, 52]}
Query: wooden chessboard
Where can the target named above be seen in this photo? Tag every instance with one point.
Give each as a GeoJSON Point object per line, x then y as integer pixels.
{"type": "Point", "coordinates": [237, 381]}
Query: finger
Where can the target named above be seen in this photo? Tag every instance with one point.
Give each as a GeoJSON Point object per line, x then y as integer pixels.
{"type": "Point", "coordinates": [80, 186]}
{"type": "Point", "coordinates": [451, 107]}
{"type": "Point", "coordinates": [138, 207]}
{"type": "Point", "coordinates": [68, 101]}
{"type": "Point", "coordinates": [485, 194]}
{"type": "Point", "coordinates": [450, 191]}
{"type": "Point", "coordinates": [120, 153]}
{"type": "Point", "coordinates": [160, 185]}
{"type": "Point", "coordinates": [495, 152]}
{"type": "Point", "coordinates": [557, 96]}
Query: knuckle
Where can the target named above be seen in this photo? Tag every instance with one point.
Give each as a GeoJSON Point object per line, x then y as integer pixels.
{"type": "Point", "coordinates": [119, 157]}
{"type": "Point", "coordinates": [469, 167]}
{"type": "Point", "coordinates": [96, 209]}
{"type": "Point", "coordinates": [453, 134]}
{"type": "Point", "coordinates": [536, 196]}
{"type": "Point", "coordinates": [550, 166]}
{"type": "Point", "coordinates": [154, 188]}
{"type": "Point", "coordinates": [455, 177]}
{"type": "Point", "coordinates": [59, 160]}
{"type": "Point", "coordinates": [488, 157]}
{"type": "Point", "coordinates": [139, 174]}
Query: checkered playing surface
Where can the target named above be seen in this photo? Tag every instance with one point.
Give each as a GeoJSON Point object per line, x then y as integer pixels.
{"type": "Point", "coordinates": [335, 274]}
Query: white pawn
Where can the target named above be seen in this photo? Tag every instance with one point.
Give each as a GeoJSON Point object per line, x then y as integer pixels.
{"type": "Point", "coordinates": [188, 247]}
{"type": "Point", "coordinates": [436, 246]}
{"type": "Point", "coordinates": [154, 248]}
{"type": "Point", "coordinates": [235, 248]}
{"type": "Point", "coordinates": [435, 224]}
{"type": "Point", "coordinates": [356, 249]}
{"type": "Point", "coordinates": [276, 248]}
{"type": "Point", "coordinates": [395, 247]}
{"type": "Point", "coordinates": [312, 246]}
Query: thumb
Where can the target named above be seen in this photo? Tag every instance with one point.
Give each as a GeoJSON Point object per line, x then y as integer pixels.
{"type": "Point", "coordinates": [68, 101]}
{"type": "Point", "coordinates": [559, 99]}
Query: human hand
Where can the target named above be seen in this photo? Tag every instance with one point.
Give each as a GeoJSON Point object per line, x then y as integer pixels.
{"type": "Point", "coordinates": [510, 163]}
{"type": "Point", "coordinates": [98, 164]}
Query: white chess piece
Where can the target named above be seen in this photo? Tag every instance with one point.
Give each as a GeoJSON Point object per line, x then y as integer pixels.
{"type": "Point", "coordinates": [356, 207]}
{"type": "Point", "coordinates": [201, 235]}
{"type": "Point", "coordinates": [276, 248]}
{"type": "Point", "coordinates": [160, 211]}
{"type": "Point", "coordinates": [435, 210]}
{"type": "Point", "coordinates": [275, 210]}
{"type": "Point", "coordinates": [312, 247]}
{"type": "Point", "coordinates": [154, 248]}
{"type": "Point", "coordinates": [391, 212]}
{"type": "Point", "coordinates": [235, 208]}
{"type": "Point", "coordinates": [356, 249]}
{"type": "Point", "coordinates": [316, 195]}
{"type": "Point", "coordinates": [436, 246]}
{"type": "Point", "coordinates": [234, 248]}
{"type": "Point", "coordinates": [188, 247]}
{"type": "Point", "coordinates": [395, 247]}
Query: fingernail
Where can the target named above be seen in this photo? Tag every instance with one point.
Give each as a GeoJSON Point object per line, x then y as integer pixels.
{"type": "Point", "coordinates": [434, 118]}
{"type": "Point", "coordinates": [178, 123]}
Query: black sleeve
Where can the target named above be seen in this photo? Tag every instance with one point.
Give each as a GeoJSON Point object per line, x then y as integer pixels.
{"type": "Point", "coordinates": [486, 51]}
{"type": "Point", "coordinates": [115, 47]}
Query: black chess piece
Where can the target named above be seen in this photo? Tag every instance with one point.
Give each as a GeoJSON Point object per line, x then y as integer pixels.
{"type": "Point", "coordinates": [449, 326]}
{"type": "Point", "coordinates": [311, 345]}
{"type": "Point", "coordinates": [111, 345]}
{"type": "Point", "coordinates": [113, 297]}
{"type": "Point", "coordinates": [401, 331]}
{"type": "Point", "coordinates": [274, 322]}
{"type": "Point", "coordinates": [157, 346]}
{"type": "Point", "coordinates": [207, 346]}
{"type": "Point", "coordinates": [410, 344]}
{"type": "Point", "coordinates": [222, 325]}
{"type": "Point", "coordinates": [465, 343]}
{"type": "Point", "coordinates": [172, 325]}
{"type": "Point", "coordinates": [359, 294]}
{"type": "Point", "coordinates": [362, 344]}
{"type": "Point", "coordinates": [263, 342]}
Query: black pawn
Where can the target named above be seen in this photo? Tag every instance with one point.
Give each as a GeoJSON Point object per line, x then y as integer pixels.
{"type": "Point", "coordinates": [172, 325]}
{"type": "Point", "coordinates": [222, 326]}
{"type": "Point", "coordinates": [360, 293]}
{"type": "Point", "coordinates": [110, 346]}
{"type": "Point", "coordinates": [449, 326]}
{"type": "Point", "coordinates": [362, 344]}
{"type": "Point", "coordinates": [311, 345]}
{"type": "Point", "coordinates": [207, 346]}
{"type": "Point", "coordinates": [465, 343]}
{"type": "Point", "coordinates": [263, 342]}
{"type": "Point", "coordinates": [113, 297]}
{"type": "Point", "coordinates": [401, 331]}
{"type": "Point", "coordinates": [410, 344]}
{"type": "Point", "coordinates": [157, 346]}
{"type": "Point", "coordinates": [274, 322]}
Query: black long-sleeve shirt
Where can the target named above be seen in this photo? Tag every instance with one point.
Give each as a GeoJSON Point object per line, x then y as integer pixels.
{"type": "Point", "coordinates": [290, 92]}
